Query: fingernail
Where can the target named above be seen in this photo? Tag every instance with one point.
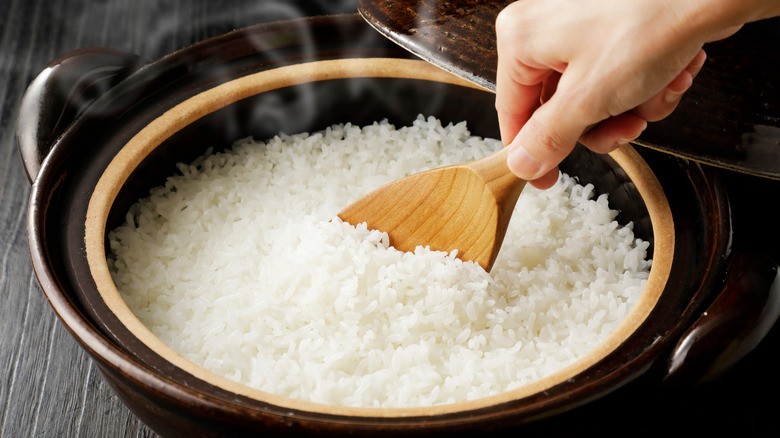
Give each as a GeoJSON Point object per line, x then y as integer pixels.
{"type": "Point", "coordinates": [624, 141]}
{"type": "Point", "coordinates": [522, 164]}
{"type": "Point", "coordinates": [671, 96]}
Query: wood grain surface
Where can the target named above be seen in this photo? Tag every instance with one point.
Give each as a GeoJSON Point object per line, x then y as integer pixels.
{"type": "Point", "coordinates": [49, 386]}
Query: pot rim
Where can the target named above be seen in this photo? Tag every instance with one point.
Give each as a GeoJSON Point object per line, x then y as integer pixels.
{"type": "Point", "coordinates": [156, 132]}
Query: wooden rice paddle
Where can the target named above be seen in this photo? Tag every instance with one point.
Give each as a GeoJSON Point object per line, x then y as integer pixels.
{"type": "Point", "coordinates": [465, 207]}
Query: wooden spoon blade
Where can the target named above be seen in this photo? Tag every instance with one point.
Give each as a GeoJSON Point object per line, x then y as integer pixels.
{"type": "Point", "coordinates": [450, 208]}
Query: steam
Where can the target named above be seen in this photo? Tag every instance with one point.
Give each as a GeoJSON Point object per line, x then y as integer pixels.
{"type": "Point", "coordinates": [174, 24]}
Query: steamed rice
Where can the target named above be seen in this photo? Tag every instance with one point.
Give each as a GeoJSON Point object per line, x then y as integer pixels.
{"type": "Point", "coordinates": [240, 264]}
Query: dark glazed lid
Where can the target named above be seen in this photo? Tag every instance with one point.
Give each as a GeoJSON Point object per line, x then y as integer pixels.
{"type": "Point", "coordinates": [729, 118]}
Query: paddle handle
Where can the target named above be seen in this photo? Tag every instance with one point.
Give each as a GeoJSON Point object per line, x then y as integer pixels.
{"type": "Point", "coordinates": [493, 169]}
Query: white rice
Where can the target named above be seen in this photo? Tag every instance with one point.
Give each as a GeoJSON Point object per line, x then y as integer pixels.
{"type": "Point", "coordinates": [241, 265]}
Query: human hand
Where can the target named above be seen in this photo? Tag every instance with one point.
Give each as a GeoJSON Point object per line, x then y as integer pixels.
{"type": "Point", "coordinates": [593, 71]}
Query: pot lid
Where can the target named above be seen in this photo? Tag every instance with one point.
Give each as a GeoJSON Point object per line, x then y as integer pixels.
{"type": "Point", "coordinates": [729, 118]}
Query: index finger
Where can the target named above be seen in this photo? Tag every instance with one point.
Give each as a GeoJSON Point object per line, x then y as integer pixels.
{"type": "Point", "coordinates": [518, 95]}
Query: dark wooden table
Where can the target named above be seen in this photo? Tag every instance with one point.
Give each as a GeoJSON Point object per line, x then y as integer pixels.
{"type": "Point", "coordinates": [48, 385]}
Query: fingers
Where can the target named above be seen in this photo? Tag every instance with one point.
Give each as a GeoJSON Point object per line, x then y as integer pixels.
{"type": "Point", "coordinates": [621, 129]}
{"type": "Point", "coordinates": [544, 140]}
{"type": "Point", "coordinates": [518, 88]}
{"type": "Point", "coordinates": [547, 180]}
{"type": "Point", "coordinates": [613, 133]}
{"type": "Point", "coordinates": [549, 85]}
{"type": "Point", "coordinates": [665, 101]}
{"type": "Point", "coordinates": [527, 75]}
{"type": "Point", "coordinates": [549, 89]}
{"type": "Point", "coordinates": [547, 133]}
{"type": "Point", "coordinates": [519, 81]}
{"type": "Point", "coordinates": [514, 106]}
{"type": "Point", "coordinates": [724, 33]}
{"type": "Point", "coordinates": [697, 63]}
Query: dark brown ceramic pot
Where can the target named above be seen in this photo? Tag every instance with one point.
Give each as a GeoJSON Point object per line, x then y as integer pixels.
{"type": "Point", "coordinates": [99, 128]}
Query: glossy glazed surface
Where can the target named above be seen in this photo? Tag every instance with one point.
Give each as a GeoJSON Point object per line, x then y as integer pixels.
{"type": "Point", "coordinates": [730, 117]}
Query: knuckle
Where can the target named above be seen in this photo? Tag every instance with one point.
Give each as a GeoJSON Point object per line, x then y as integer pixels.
{"type": "Point", "coordinates": [655, 109]}
{"type": "Point", "coordinates": [551, 141]}
{"type": "Point", "coordinates": [507, 17]}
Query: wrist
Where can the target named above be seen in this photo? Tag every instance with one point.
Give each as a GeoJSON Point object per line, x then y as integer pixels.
{"type": "Point", "coordinates": [711, 17]}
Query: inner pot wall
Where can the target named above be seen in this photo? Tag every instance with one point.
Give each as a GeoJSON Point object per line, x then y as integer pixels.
{"type": "Point", "coordinates": [192, 120]}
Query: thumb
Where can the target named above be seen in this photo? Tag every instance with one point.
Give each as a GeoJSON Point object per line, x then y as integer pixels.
{"type": "Point", "coordinates": [544, 141]}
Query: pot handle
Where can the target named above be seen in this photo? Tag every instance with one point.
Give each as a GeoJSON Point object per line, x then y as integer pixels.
{"type": "Point", "coordinates": [733, 325]}
{"type": "Point", "coordinates": [60, 93]}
